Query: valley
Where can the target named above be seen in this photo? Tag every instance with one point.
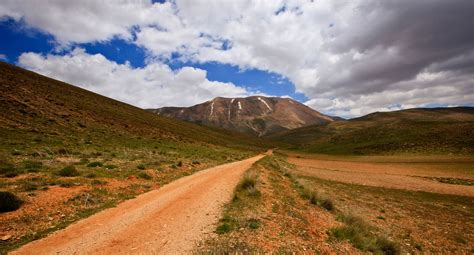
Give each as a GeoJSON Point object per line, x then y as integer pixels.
{"type": "Point", "coordinates": [82, 173]}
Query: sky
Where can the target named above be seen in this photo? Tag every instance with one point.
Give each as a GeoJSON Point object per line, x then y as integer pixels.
{"type": "Point", "coordinates": [341, 57]}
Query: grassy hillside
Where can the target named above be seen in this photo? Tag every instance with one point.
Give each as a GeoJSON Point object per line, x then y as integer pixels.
{"type": "Point", "coordinates": [419, 131]}
{"type": "Point", "coordinates": [66, 153]}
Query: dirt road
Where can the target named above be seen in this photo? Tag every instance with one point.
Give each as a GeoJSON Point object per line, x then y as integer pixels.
{"type": "Point", "coordinates": [169, 220]}
{"type": "Point", "coordinates": [379, 175]}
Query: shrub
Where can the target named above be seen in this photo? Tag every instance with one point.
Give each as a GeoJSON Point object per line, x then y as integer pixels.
{"type": "Point", "coordinates": [110, 166]}
{"type": "Point", "coordinates": [29, 186]}
{"type": "Point", "coordinates": [327, 204]}
{"type": "Point", "coordinates": [63, 151]}
{"type": "Point", "coordinates": [68, 171]}
{"type": "Point", "coordinates": [98, 182]}
{"type": "Point", "coordinates": [67, 184]}
{"type": "Point", "coordinates": [144, 175]}
{"type": "Point", "coordinates": [247, 182]}
{"type": "Point", "coordinates": [180, 163]}
{"type": "Point", "coordinates": [8, 170]}
{"type": "Point", "coordinates": [95, 164]}
{"type": "Point", "coordinates": [32, 166]}
{"type": "Point", "coordinates": [253, 223]}
{"type": "Point", "coordinates": [362, 236]}
{"type": "Point", "coordinates": [91, 175]}
{"type": "Point", "coordinates": [9, 201]}
{"type": "Point", "coordinates": [83, 161]}
{"type": "Point", "coordinates": [6, 167]}
{"type": "Point", "coordinates": [141, 167]}
{"type": "Point", "coordinates": [223, 228]}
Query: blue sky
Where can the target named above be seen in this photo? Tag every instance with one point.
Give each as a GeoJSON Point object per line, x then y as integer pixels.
{"type": "Point", "coordinates": [341, 60]}
{"type": "Point", "coordinates": [19, 39]}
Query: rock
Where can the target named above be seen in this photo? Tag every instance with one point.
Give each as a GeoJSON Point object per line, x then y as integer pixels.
{"type": "Point", "coordinates": [6, 237]}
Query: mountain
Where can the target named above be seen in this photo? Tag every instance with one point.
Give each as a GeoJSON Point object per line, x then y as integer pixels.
{"type": "Point", "coordinates": [422, 131]}
{"type": "Point", "coordinates": [37, 107]}
{"type": "Point", "coordinates": [256, 115]}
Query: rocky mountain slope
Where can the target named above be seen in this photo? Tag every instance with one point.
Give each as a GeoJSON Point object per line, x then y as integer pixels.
{"type": "Point", "coordinates": [256, 114]}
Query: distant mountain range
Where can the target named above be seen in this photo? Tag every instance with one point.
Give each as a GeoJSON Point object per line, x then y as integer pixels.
{"type": "Point", "coordinates": [257, 115]}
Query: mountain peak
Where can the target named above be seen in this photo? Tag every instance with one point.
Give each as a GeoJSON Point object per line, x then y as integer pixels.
{"type": "Point", "coordinates": [258, 115]}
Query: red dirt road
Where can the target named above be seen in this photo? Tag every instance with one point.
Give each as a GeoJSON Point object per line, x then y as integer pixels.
{"type": "Point", "coordinates": [169, 220]}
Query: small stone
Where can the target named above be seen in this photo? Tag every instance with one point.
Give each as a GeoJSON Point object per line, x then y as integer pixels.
{"type": "Point", "coordinates": [6, 237]}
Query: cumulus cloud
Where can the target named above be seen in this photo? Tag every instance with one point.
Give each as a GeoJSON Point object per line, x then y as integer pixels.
{"type": "Point", "coordinates": [3, 57]}
{"type": "Point", "coordinates": [86, 21]}
{"type": "Point", "coordinates": [152, 86]}
{"type": "Point", "coordinates": [347, 57]}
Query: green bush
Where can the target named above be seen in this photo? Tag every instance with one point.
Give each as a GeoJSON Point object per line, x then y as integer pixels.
{"type": "Point", "coordinates": [8, 170]}
{"type": "Point", "coordinates": [223, 228]}
{"type": "Point", "coordinates": [362, 236]}
{"type": "Point", "coordinates": [68, 171]}
{"type": "Point", "coordinates": [95, 164]}
{"type": "Point", "coordinates": [32, 166]}
{"type": "Point", "coordinates": [9, 201]}
{"type": "Point", "coordinates": [141, 167]}
{"type": "Point", "coordinates": [253, 223]}
{"type": "Point", "coordinates": [91, 175]}
{"type": "Point", "coordinates": [144, 175]}
{"type": "Point", "coordinates": [110, 166]}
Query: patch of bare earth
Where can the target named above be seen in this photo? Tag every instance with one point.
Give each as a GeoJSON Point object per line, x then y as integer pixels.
{"type": "Point", "coordinates": [48, 208]}
{"type": "Point", "coordinates": [422, 215]}
{"type": "Point", "coordinates": [420, 222]}
{"type": "Point", "coordinates": [381, 175]}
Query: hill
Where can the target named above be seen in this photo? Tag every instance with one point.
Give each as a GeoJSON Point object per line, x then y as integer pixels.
{"type": "Point", "coordinates": [423, 130]}
{"type": "Point", "coordinates": [66, 153]}
{"type": "Point", "coordinates": [255, 115]}
{"type": "Point", "coordinates": [34, 105]}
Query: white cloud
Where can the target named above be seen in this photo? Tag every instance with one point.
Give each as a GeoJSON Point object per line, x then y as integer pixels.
{"type": "Point", "coordinates": [152, 86]}
{"type": "Point", "coordinates": [3, 57]}
{"type": "Point", "coordinates": [348, 57]}
{"type": "Point", "coordinates": [86, 21]}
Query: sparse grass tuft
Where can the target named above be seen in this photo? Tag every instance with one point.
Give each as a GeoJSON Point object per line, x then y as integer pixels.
{"type": "Point", "coordinates": [253, 223]}
{"type": "Point", "coordinates": [68, 171]}
{"type": "Point", "coordinates": [95, 164]}
{"type": "Point", "coordinates": [362, 236]}
{"type": "Point", "coordinates": [32, 166]}
{"type": "Point", "coordinates": [248, 185]}
{"type": "Point", "coordinates": [247, 182]}
{"type": "Point", "coordinates": [223, 228]}
{"type": "Point", "coordinates": [9, 201]}
{"type": "Point", "coordinates": [327, 204]}
{"type": "Point", "coordinates": [8, 170]}
{"type": "Point", "coordinates": [110, 166]}
{"type": "Point", "coordinates": [144, 175]}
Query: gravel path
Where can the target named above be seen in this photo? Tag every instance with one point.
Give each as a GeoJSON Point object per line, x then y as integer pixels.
{"type": "Point", "coordinates": [169, 220]}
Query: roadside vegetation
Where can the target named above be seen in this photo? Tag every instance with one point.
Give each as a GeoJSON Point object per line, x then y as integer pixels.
{"type": "Point", "coordinates": [407, 221]}
{"type": "Point", "coordinates": [272, 212]}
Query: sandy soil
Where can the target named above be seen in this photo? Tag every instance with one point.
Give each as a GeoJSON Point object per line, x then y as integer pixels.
{"type": "Point", "coordinates": [380, 175]}
{"type": "Point", "coordinates": [169, 220]}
